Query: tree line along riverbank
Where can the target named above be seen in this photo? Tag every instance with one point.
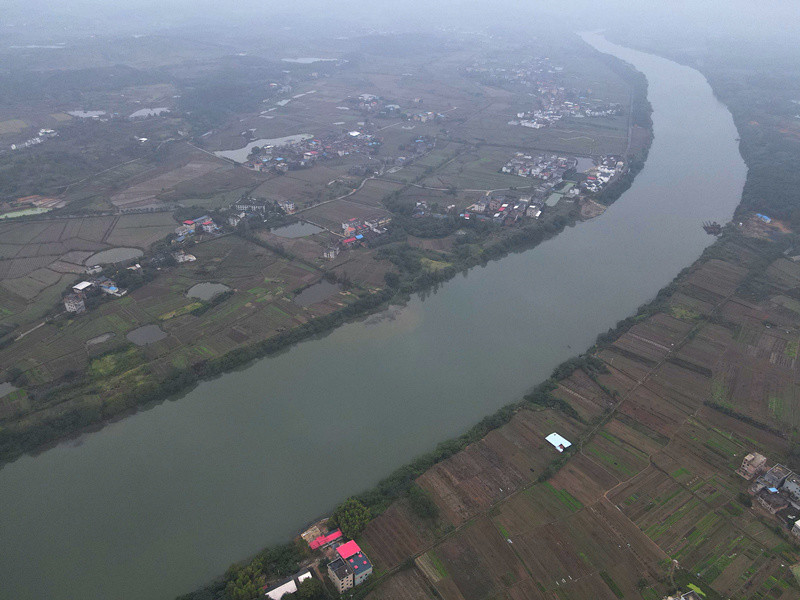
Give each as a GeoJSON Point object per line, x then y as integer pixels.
{"type": "Point", "coordinates": [62, 419]}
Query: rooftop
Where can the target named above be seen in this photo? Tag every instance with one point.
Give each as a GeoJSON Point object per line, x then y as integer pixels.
{"type": "Point", "coordinates": [325, 539]}
{"type": "Point", "coordinates": [359, 563]}
{"type": "Point", "coordinates": [559, 442]}
{"type": "Point", "coordinates": [340, 568]}
{"type": "Point", "coordinates": [348, 549]}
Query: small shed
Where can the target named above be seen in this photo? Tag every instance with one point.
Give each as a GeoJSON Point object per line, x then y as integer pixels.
{"type": "Point", "coordinates": [559, 442]}
{"type": "Point", "coordinates": [82, 286]}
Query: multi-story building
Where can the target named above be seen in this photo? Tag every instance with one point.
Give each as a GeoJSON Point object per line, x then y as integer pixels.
{"type": "Point", "coordinates": [752, 465]}
{"type": "Point", "coordinates": [74, 303]}
{"type": "Point", "coordinates": [340, 574]}
{"type": "Point", "coordinates": [351, 567]}
{"type": "Point", "coordinates": [776, 476]}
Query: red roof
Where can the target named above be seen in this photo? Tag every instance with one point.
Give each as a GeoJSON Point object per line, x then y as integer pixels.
{"type": "Point", "coordinates": [348, 240]}
{"type": "Point", "coordinates": [325, 539]}
{"type": "Point", "coordinates": [349, 549]}
{"type": "Point", "coordinates": [188, 222]}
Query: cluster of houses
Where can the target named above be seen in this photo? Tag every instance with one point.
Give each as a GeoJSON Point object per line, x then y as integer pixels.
{"type": "Point", "coordinates": [597, 178]}
{"type": "Point", "coordinates": [204, 224]}
{"type": "Point", "coordinates": [305, 153]}
{"type": "Point", "coordinates": [44, 134]}
{"type": "Point", "coordinates": [503, 210]}
{"type": "Point", "coordinates": [549, 170]}
{"type": "Point", "coordinates": [370, 104]}
{"type": "Point", "coordinates": [552, 101]}
{"type": "Point", "coordinates": [76, 301]}
{"type": "Point", "coordinates": [348, 566]}
{"type": "Point", "coordinates": [533, 73]}
{"type": "Point", "coordinates": [777, 490]}
{"type": "Point", "coordinates": [361, 232]}
{"type": "Point", "coordinates": [247, 207]}
{"type": "Point", "coordinates": [544, 167]}
{"type": "Point", "coordinates": [555, 110]}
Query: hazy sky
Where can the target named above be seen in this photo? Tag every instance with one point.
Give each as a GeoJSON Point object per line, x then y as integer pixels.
{"type": "Point", "coordinates": [777, 18]}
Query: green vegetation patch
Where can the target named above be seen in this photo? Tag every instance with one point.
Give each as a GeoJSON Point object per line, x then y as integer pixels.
{"type": "Point", "coordinates": [114, 363]}
{"type": "Point", "coordinates": [434, 265]}
{"type": "Point", "coordinates": [180, 311]}
{"type": "Point", "coordinates": [683, 313]}
{"type": "Point", "coordinates": [567, 499]}
{"type": "Point", "coordinates": [612, 585]}
{"type": "Point", "coordinates": [437, 564]}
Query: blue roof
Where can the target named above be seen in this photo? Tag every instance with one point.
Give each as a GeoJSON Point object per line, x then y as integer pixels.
{"type": "Point", "coordinates": [773, 490]}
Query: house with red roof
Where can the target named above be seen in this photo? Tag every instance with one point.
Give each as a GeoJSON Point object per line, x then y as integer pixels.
{"type": "Point", "coordinates": [351, 567]}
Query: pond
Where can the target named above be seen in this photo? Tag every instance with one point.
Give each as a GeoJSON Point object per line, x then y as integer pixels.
{"type": "Point", "coordinates": [241, 154]}
{"type": "Point", "coordinates": [87, 114]}
{"type": "Point", "coordinates": [148, 112]}
{"type": "Point", "coordinates": [296, 230]}
{"type": "Point", "coordinates": [207, 290]}
{"type": "Point", "coordinates": [147, 334]}
{"type": "Point", "coordinates": [113, 255]}
{"type": "Point", "coordinates": [317, 293]}
{"type": "Point", "coordinates": [6, 388]}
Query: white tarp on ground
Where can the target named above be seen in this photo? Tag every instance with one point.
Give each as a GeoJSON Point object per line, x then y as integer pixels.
{"type": "Point", "coordinates": [560, 443]}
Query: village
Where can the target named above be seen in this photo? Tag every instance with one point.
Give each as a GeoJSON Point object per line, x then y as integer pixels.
{"type": "Point", "coordinates": [304, 153]}
{"type": "Point", "coordinates": [551, 101]}
{"type": "Point", "coordinates": [343, 561]}
{"type": "Point", "coordinates": [550, 171]}
{"type": "Point", "coordinates": [777, 490]}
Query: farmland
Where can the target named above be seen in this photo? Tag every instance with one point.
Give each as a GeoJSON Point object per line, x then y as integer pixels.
{"type": "Point", "coordinates": [650, 478]}
{"type": "Point", "coordinates": [40, 258]}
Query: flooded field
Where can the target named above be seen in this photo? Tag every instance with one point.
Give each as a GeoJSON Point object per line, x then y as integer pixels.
{"type": "Point", "coordinates": [6, 388]}
{"type": "Point", "coordinates": [147, 334]}
{"type": "Point", "coordinates": [207, 290]}
{"type": "Point", "coordinates": [148, 112]}
{"type": "Point", "coordinates": [296, 230]}
{"type": "Point", "coordinates": [241, 154]}
{"type": "Point", "coordinates": [113, 255]}
{"type": "Point", "coordinates": [317, 293]}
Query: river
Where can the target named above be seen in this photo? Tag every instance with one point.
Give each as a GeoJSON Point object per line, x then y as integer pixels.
{"type": "Point", "coordinates": [161, 502]}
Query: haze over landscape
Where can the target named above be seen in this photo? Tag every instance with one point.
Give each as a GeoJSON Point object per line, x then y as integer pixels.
{"type": "Point", "coordinates": [399, 300]}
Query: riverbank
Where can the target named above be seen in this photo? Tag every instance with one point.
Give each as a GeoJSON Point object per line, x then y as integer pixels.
{"type": "Point", "coordinates": [42, 430]}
